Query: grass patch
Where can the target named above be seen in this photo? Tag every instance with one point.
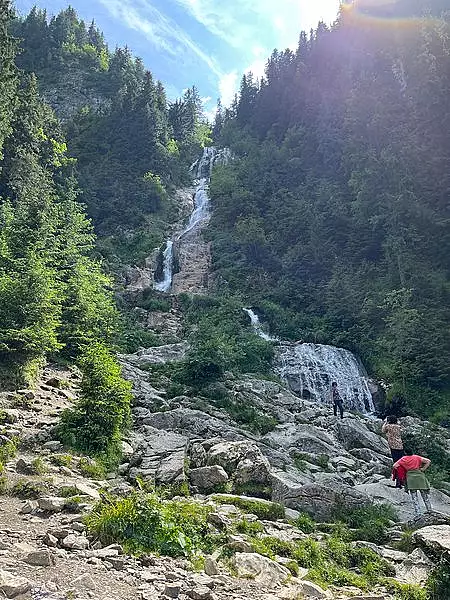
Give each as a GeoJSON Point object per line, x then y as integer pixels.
{"type": "Point", "coordinates": [266, 511]}
{"type": "Point", "coordinates": [369, 522]}
{"type": "Point", "coordinates": [92, 468]}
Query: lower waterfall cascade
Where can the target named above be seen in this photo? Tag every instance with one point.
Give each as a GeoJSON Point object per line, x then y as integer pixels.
{"type": "Point", "coordinates": [309, 370]}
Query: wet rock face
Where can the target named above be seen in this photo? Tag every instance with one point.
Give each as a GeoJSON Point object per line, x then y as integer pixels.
{"type": "Point", "coordinates": [310, 369]}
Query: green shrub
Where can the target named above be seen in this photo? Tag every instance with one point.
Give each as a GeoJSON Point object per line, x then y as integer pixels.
{"type": "Point", "coordinates": [403, 591]}
{"type": "Point", "coordinates": [39, 466]}
{"type": "Point", "coordinates": [62, 460]}
{"type": "Point", "coordinates": [249, 527]}
{"type": "Point", "coordinates": [28, 489]}
{"type": "Point", "coordinates": [8, 450]}
{"type": "Point", "coordinates": [305, 523]}
{"type": "Point", "coordinates": [266, 511]}
{"type": "Point", "coordinates": [144, 523]}
{"type": "Point", "coordinates": [438, 584]}
{"type": "Point", "coordinates": [96, 422]}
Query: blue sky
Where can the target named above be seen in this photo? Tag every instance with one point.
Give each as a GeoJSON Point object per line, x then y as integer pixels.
{"type": "Point", "coordinates": [207, 43]}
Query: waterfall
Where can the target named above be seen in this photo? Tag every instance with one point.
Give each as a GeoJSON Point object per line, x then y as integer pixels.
{"type": "Point", "coordinates": [310, 369]}
{"type": "Point", "coordinates": [256, 324]}
{"type": "Point", "coordinates": [164, 285]}
{"type": "Point", "coordinates": [202, 168]}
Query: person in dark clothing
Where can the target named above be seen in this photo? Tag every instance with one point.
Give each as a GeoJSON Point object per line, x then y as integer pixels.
{"type": "Point", "coordinates": [337, 400]}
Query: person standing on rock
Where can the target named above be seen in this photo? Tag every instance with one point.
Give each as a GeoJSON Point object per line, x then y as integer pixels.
{"type": "Point", "coordinates": [393, 433]}
{"type": "Point", "coordinates": [416, 481]}
{"type": "Point", "coordinates": [337, 400]}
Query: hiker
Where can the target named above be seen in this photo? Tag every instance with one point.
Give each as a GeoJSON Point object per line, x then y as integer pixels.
{"type": "Point", "coordinates": [394, 437]}
{"type": "Point", "coordinates": [415, 466]}
{"type": "Point", "coordinates": [337, 400]}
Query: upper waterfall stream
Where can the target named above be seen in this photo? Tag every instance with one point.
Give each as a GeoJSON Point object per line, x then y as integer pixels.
{"type": "Point", "coordinates": [203, 169]}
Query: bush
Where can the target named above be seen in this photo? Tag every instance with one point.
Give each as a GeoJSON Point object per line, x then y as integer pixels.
{"type": "Point", "coordinates": [438, 584]}
{"type": "Point", "coordinates": [305, 523]}
{"type": "Point", "coordinates": [144, 523]}
{"type": "Point", "coordinates": [27, 489]}
{"type": "Point", "coordinates": [102, 413]}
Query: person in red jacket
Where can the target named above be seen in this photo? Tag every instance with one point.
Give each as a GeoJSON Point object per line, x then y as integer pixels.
{"type": "Point", "coordinates": [416, 481]}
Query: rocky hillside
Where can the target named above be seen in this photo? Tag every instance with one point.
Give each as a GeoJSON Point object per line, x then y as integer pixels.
{"type": "Point", "coordinates": [247, 534]}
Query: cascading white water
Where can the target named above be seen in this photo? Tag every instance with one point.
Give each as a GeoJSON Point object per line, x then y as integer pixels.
{"type": "Point", "coordinates": [310, 369]}
{"type": "Point", "coordinates": [256, 324]}
{"type": "Point", "coordinates": [164, 285]}
{"type": "Point", "coordinates": [203, 168]}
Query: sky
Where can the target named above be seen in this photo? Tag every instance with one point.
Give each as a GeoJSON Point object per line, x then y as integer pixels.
{"type": "Point", "coordinates": [206, 43]}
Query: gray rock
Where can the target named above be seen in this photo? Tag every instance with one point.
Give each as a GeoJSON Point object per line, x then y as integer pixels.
{"type": "Point", "coordinates": [261, 569]}
{"type": "Point", "coordinates": [75, 542]}
{"type": "Point", "coordinates": [207, 478]}
{"type": "Point", "coordinates": [160, 456]}
{"type": "Point", "coordinates": [172, 590]}
{"type": "Point", "coordinates": [415, 569]}
{"type": "Point", "coordinates": [229, 454]}
{"type": "Point", "coordinates": [40, 558]}
{"type": "Point", "coordinates": [320, 499]}
{"type": "Point", "coordinates": [13, 585]}
{"type": "Point", "coordinates": [435, 540]}
{"type": "Point", "coordinates": [211, 567]}
{"type": "Point", "coordinates": [52, 503]}
{"type": "Point", "coordinates": [353, 433]}
{"type": "Point", "coordinates": [53, 446]}
{"type": "Point", "coordinates": [197, 455]}
{"type": "Point", "coordinates": [29, 507]}
{"type": "Point", "coordinates": [239, 544]}
{"type": "Point", "coordinates": [304, 438]}
{"type": "Point", "coordinates": [252, 470]}
{"type": "Point", "coordinates": [312, 590]}
{"type": "Point", "coordinates": [50, 540]}
{"type": "Point", "coordinates": [200, 592]}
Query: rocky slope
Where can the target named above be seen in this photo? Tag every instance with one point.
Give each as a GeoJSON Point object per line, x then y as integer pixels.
{"type": "Point", "coordinates": [46, 551]}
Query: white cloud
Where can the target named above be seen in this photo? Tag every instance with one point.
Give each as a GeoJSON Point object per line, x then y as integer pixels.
{"type": "Point", "coordinates": [240, 22]}
{"type": "Point", "coordinates": [161, 31]}
{"type": "Point", "coordinates": [228, 86]}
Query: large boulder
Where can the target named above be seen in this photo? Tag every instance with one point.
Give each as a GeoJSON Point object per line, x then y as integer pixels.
{"type": "Point", "coordinates": [320, 499]}
{"type": "Point", "coordinates": [261, 569]}
{"type": "Point", "coordinates": [303, 437]}
{"type": "Point", "coordinates": [208, 478]}
{"type": "Point", "coordinates": [415, 569]}
{"type": "Point", "coordinates": [435, 540]}
{"type": "Point", "coordinates": [13, 585]}
{"type": "Point", "coordinates": [160, 456]}
{"type": "Point", "coordinates": [244, 460]}
{"type": "Point", "coordinates": [353, 433]}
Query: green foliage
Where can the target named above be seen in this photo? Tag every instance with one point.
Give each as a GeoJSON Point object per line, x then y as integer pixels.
{"type": "Point", "coordinates": [331, 218]}
{"type": "Point", "coordinates": [407, 591]}
{"type": "Point", "coordinates": [305, 523]}
{"type": "Point", "coordinates": [38, 465]}
{"type": "Point", "coordinates": [95, 423]}
{"type": "Point", "coordinates": [220, 341]}
{"type": "Point", "coordinates": [8, 450]}
{"type": "Point", "coordinates": [429, 443]}
{"type": "Point", "coordinates": [369, 522]}
{"type": "Point", "coordinates": [62, 460]}
{"type": "Point", "coordinates": [264, 510]}
{"type": "Point", "coordinates": [28, 489]}
{"type": "Point", "coordinates": [438, 584]}
{"type": "Point", "coordinates": [144, 523]}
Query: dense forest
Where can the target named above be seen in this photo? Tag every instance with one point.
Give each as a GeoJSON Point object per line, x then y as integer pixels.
{"type": "Point", "coordinates": [333, 219]}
